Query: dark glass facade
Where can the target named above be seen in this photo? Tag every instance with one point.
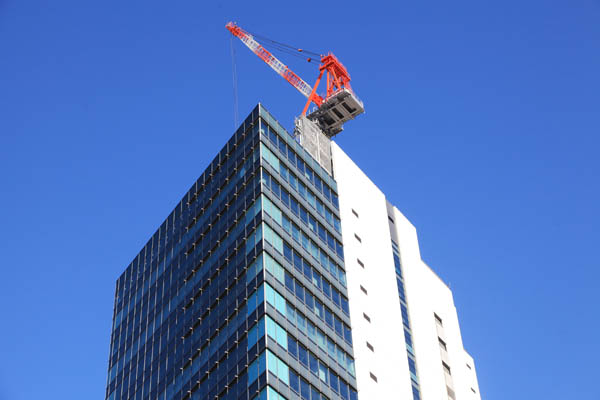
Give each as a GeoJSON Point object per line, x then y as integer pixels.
{"type": "Point", "coordinates": [410, 352]}
{"type": "Point", "coordinates": [241, 293]}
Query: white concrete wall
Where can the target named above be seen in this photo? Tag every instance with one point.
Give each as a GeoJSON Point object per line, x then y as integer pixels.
{"type": "Point", "coordinates": [388, 362]}
{"type": "Point", "coordinates": [426, 295]}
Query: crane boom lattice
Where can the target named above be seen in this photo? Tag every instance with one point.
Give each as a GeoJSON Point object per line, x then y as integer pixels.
{"type": "Point", "coordinates": [271, 60]}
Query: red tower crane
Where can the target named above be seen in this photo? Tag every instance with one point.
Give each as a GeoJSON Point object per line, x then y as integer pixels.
{"type": "Point", "coordinates": [339, 105]}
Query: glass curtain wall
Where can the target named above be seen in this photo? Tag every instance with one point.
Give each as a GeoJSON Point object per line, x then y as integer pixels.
{"type": "Point", "coordinates": [241, 292]}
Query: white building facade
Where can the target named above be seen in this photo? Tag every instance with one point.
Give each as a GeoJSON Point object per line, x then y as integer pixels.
{"type": "Point", "coordinates": [405, 330]}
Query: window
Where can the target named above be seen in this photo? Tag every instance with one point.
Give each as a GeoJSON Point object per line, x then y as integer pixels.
{"type": "Point", "coordinates": [270, 393]}
{"type": "Point", "coordinates": [256, 332]}
{"type": "Point", "coordinates": [468, 366]}
{"type": "Point", "coordinates": [276, 332]}
{"type": "Point", "coordinates": [473, 390]}
{"type": "Point", "coordinates": [303, 355]}
{"type": "Point", "coordinates": [256, 368]}
{"type": "Point", "coordinates": [412, 366]}
{"type": "Point", "coordinates": [366, 317]}
{"type": "Point", "coordinates": [273, 238]}
{"type": "Point", "coordinates": [323, 372]}
{"type": "Point", "coordinates": [278, 367]}
{"type": "Point", "coordinates": [358, 238]}
{"type": "Point", "coordinates": [442, 344]}
{"type": "Point", "coordinates": [438, 319]}
{"type": "Point", "coordinates": [314, 364]}
{"type": "Point", "coordinates": [355, 213]}
{"type": "Point", "coordinates": [360, 262]}
{"type": "Point", "coordinates": [373, 376]}
{"type": "Point", "coordinates": [416, 393]}
{"type": "Point", "coordinates": [451, 394]}
{"type": "Point", "coordinates": [391, 219]}
{"type": "Point", "coordinates": [363, 289]}
{"type": "Point", "coordinates": [275, 299]}
{"type": "Point", "coordinates": [304, 389]}
{"type": "Point", "coordinates": [294, 382]}
{"type": "Point", "coordinates": [446, 368]}
{"type": "Point", "coordinates": [370, 347]}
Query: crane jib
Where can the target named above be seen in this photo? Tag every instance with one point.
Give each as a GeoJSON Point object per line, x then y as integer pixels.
{"type": "Point", "coordinates": [271, 60]}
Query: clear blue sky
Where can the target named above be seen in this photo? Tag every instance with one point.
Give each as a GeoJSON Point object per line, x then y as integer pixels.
{"type": "Point", "coordinates": [482, 126]}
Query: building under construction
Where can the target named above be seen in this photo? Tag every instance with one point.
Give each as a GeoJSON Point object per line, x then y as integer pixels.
{"type": "Point", "coordinates": [285, 273]}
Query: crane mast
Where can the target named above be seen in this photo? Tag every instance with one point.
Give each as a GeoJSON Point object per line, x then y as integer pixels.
{"type": "Point", "coordinates": [340, 103]}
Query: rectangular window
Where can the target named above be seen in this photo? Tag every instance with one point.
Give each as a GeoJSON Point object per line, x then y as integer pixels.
{"type": "Point", "coordinates": [360, 263]}
{"type": "Point", "coordinates": [275, 299]}
{"type": "Point", "coordinates": [273, 238]}
{"type": "Point", "coordinates": [314, 393]}
{"type": "Point", "coordinates": [370, 347]}
{"type": "Point", "coordinates": [438, 319]}
{"type": "Point", "coordinates": [271, 209]}
{"type": "Point", "coordinates": [323, 372]}
{"type": "Point", "coordinates": [311, 199]}
{"type": "Point", "coordinates": [294, 206]}
{"type": "Point", "coordinates": [407, 337]}
{"type": "Point", "coordinates": [451, 394]}
{"type": "Point", "coordinates": [328, 317]}
{"type": "Point", "coordinates": [274, 268]}
{"type": "Point", "coordinates": [412, 366]}
{"type": "Point", "coordinates": [269, 393]}
{"type": "Point", "coordinates": [334, 381]}
{"type": "Point", "coordinates": [314, 364]}
{"type": "Point", "coordinates": [278, 368]}
{"type": "Point", "coordinates": [397, 265]}
{"type": "Point", "coordinates": [254, 300]}
{"type": "Point", "coordinates": [276, 332]}
{"type": "Point", "coordinates": [269, 156]}
{"type": "Point", "coordinates": [335, 296]}
{"type": "Point", "coordinates": [363, 289]}
{"type": "Point", "coordinates": [357, 238]}
{"type": "Point", "coordinates": [326, 288]}
{"type": "Point", "coordinates": [373, 376]}
{"type": "Point", "coordinates": [287, 224]}
{"type": "Point", "coordinates": [446, 368]}
{"type": "Point", "coordinates": [312, 223]}
{"type": "Point", "coordinates": [292, 346]}
{"type": "Point", "coordinates": [253, 239]}
{"type": "Point", "coordinates": [416, 394]}
{"type": "Point", "coordinates": [256, 368]}
{"type": "Point", "coordinates": [355, 213]}
{"type": "Point", "coordinates": [442, 344]}
{"type": "Point", "coordinates": [304, 389]}
{"type": "Point", "coordinates": [254, 269]}
{"type": "Point", "coordinates": [256, 332]}
{"type": "Point", "coordinates": [302, 355]}
{"type": "Point", "coordinates": [367, 317]}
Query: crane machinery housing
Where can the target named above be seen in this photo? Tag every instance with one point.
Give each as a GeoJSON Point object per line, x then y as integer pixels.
{"type": "Point", "coordinates": [338, 106]}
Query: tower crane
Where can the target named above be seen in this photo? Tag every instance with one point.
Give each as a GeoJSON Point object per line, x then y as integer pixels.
{"type": "Point", "coordinates": [339, 104]}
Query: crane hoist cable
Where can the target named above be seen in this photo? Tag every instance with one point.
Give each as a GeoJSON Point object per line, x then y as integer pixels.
{"type": "Point", "coordinates": [235, 86]}
{"type": "Point", "coordinates": [289, 49]}
{"type": "Point", "coordinates": [264, 38]}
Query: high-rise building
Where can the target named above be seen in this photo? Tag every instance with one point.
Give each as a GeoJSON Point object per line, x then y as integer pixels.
{"type": "Point", "coordinates": [278, 276]}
